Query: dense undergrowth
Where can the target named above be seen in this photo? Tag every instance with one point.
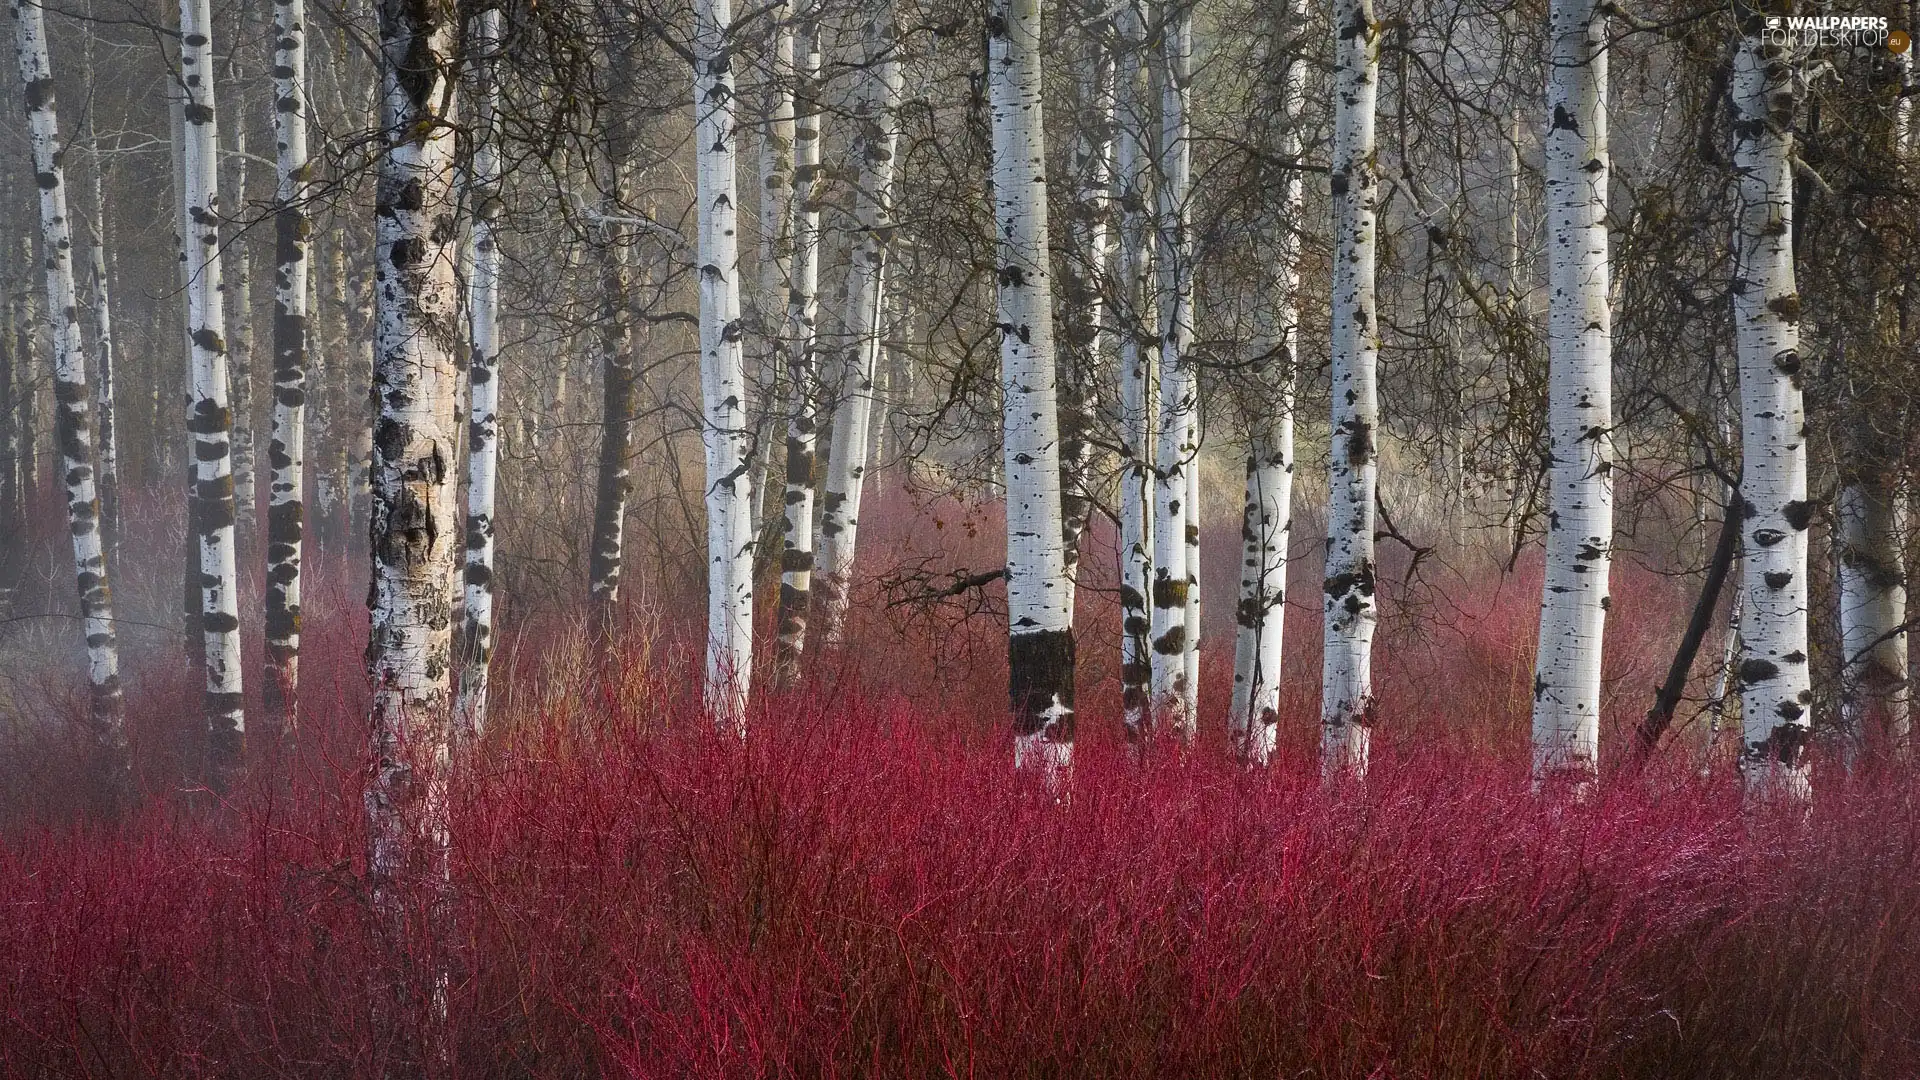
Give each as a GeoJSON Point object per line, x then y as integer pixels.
{"type": "Point", "coordinates": [864, 888]}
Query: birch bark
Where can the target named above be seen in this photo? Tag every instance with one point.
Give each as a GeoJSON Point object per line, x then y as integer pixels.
{"type": "Point", "coordinates": [71, 427]}
{"type": "Point", "coordinates": [1346, 703]}
{"type": "Point", "coordinates": [483, 376]}
{"type": "Point", "coordinates": [877, 133]}
{"type": "Point", "coordinates": [1040, 643]}
{"type": "Point", "coordinates": [210, 419]}
{"type": "Point", "coordinates": [287, 439]}
{"type": "Point", "coordinates": [1132, 175]}
{"type": "Point", "coordinates": [726, 429]}
{"type": "Point", "coordinates": [803, 279]}
{"type": "Point", "coordinates": [1566, 682]}
{"type": "Point", "coordinates": [1774, 682]}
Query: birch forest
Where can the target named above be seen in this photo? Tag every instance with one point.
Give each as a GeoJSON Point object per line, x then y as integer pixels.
{"type": "Point", "coordinates": [917, 538]}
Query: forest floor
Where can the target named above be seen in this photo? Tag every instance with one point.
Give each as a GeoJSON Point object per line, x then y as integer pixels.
{"type": "Point", "coordinates": [864, 888]}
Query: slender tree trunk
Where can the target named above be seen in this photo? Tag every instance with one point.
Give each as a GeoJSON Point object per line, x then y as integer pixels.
{"type": "Point", "coordinates": [614, 332]}
{"type": "Point", "coordinates": [1175, 692]}
{"type": "Point", "coordinates": [1040, 617]}
{"type": "Point", "coordinates": [874, 148]}
{"type": "Point", "coordinates": [104, 367]}
{"type": "Point", "coordinates": [1346, 703]}
{"type": "Point", "coordinates": [1774, 682]}
{"type": "Point", "coordinates": [1253, 721]}
{"type": "Point", "coordinates": [483, 374]}
{"type": "Point", "coordinates": [725, 430]}
{"type": "Point", "coordinates": [1573, 609]}
{"type": "Point", "coordinates": [1873, 606]}
{"type": "Point", "coordinates": [286, 450]}
{"type": "Point", "coordinates": [1137, 488]}
{"type": "Point", "coordinates": [239, 285]}
{"type": "Point", "coordinates": [210, 420]}
{"type": "Point", "coordinates": [70, 407]}
{"type": "Point", "coordinates": [803, 279]}
{"type": "Point", "coordinates": [1083, 286]}
{"type": "Point", "coordinates": [776, 240]}
{"type": "Point", "coordinates": [26, 326]}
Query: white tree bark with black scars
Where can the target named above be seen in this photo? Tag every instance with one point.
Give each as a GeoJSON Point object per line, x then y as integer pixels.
{"type": "Point", "coordinates": [1346, 673]}
{"type": "Point", "coordinates": [1039, 611]}
{"type": "Point", "coordinates": [725, 429]}
{"type": "Point", "coordinates": [239, 310]}
{"type": "Point", "coordinates": [1873, 602]}
{"type": "Point", "coordinates": [1132, 172]}
{"type": "Point", "coordinates": [104, 391]}
{"type": "Point", "coordinates": [1774, 682]}
{"type": "Point", "coordinates": [209, 419]}
{"type": "Point", "coordinates": [876, 133]}
{"type": "Point", "coordinates": [287, 440]}
{"type": "Point", "coordinates": [1266, 524]}
{"type": "Point", "coordinates": [803, 280]}
{"type": "Point", "coordinates": [775, 221]}
{"type": "Point", "coordinates": [413, 524]}
{"type": "Point", "coordinates": [1573, 607]}
{"type": "Point", "coordinates": [71, 429]}
{"type": "Point", "coordinates": [613, 340]}
{"type": "Point", "coordinates": [1175, 565]}
{"type": "Point", "coordinates": [483, 376]}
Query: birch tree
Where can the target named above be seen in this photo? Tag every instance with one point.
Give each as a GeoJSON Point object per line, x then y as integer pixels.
{"type": "Point", "coordinates": [803, 279]}
{"type": "Point", "coordinates": [1175, 567]}
{"type": "Point", "coordinates": [483, 378]}
{"type": "Point", "coordinates": [876, 133]}
{"type": "Point", "coordinates": [71, 427]}
{"type": "Point", "coordinates": [1040, 618]}
{"type": "Point", "coordinates": [287, 439]}
{"type": "Point", "coordinates": [412, 529]}
{"type": "Point", "coordinates": [209, 418]}
{"type": "Point", "coordinates": [1132, 176]}
{"type": "Point", "coordinates": [613, 334]}
{"type": "Point", "coordinates": [238, 283]}
{"type": "Point", "coordinates": [1266, 524]}
{"type": "Point", "coordinates": [104, 357]}
{"type": "Point", "coordinates": [725, 429]}
{"type": "Point", "coordinates": [1346, 701]}
{"type": "Point", "coordinates": [1774, 682]}
{"type": "Point", "coordinates": [1566, 682]}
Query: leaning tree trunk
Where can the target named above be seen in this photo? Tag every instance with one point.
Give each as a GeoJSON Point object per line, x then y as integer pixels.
{"type": "Point", "coordinates": [70, 406]}
{"type": "Point", "coordinates": [1266, 525]}
{"type": "Point", "coordinates": [413, 521]}
{"type": "Point", "coordinates": [1175, 571]}
{"type": "Point", "coordinates": [803, 281]}
{"type": "Point", "coordinates": [210, 420]}
{"type": "Point", "coordinates": [1346, 693]}
{"type": "Point", "coordinates": [724, 430]}
{"type": "Point", "coordinates": [1040, 617]}
{"type": "Point", "coordinates": [483, 376]}
{"type": "Point", "coordinates": [1573, 608]}
{"type": "Point", "coordinates": [1132, 171]}
{"type": "Point", "coordinates": [286, 448]}
{"type": "Point", "coordinates": [874, 148]}
{"type": "Point", "coordinates": [1774, 681]}
{"type": "Point", "coordinates": [104, 394]}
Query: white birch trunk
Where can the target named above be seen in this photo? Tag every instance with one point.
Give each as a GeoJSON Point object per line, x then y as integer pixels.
{"type": "Point", "coordinates": [803, 279]}
{"type": "Point", "coordinates": [874, 149]}
{"type": "Point", "coordinates": [1775, 691]}
{"type": "Point", "coordinates": [1346, 701]}
{"type": "Point", "coordinates": [1873, 606]}
{"type": "Point", "coordinates": [1266, 526]}
{"type": "Point", "coordinates": [1132, 167]}
{"type": "Point", "coordinates": [70, 405]}
{"type": "Point", "coordinates": [105, 397]}
{"type": "Point", "coordinates": [239, 285]}
{"type": "Point", "coordinates": [726, 430]}
{"type": "Point", "coordinates": [775, 240]}
{"type": "Point", "coordinates": [1040, 616]}
{"type": "Point", "coordinates": [1175, 539]}
{"type": "Point", "coordinates": [414, 518]}
{"type": "Point", "coordinates": [287, 440]}
{"type": "Point", "coordinates": [1566, 682]}
{"type": "Point", "coordinates": [210, 419]}
{"type": "Point", "coordinates": [483, 374]}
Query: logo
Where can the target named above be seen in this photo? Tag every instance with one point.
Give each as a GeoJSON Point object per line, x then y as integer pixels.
{"type": "Point", "coordinates": [1802, 34]}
